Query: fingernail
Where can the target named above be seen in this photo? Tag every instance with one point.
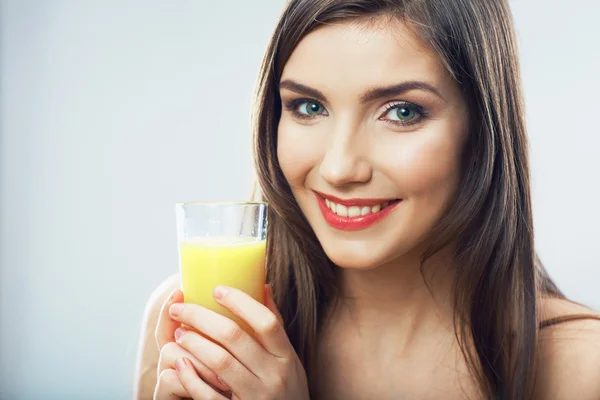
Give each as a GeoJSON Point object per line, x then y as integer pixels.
{"type": "Point", "coordinates": [220, 292]}
{"type": "Point", "coordinates": [179, 364]}
{"type": "Point", "coordinates": [172, 295]}
{"type": "Point", "coordinates": [179, 333]}
{"type": "Point", "coordinates": [176, 309]}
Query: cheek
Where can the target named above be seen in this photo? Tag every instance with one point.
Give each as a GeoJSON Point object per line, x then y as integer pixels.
{"type": "Point", "coordinates": [425, 164]}
{"type": "Point", "coordinates": [425, 167]}
{"type": "Point", "coordinates": [298, 151]}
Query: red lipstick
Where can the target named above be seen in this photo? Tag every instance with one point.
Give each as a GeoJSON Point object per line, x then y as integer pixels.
{"type": "Point", "coordinates": [357, 222]}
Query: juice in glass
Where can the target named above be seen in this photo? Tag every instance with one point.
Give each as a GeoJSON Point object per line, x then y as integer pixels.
{"type": "Point", "coordinates": [209, 262]}
{"type": "Point", "coordinates": [221, 244]}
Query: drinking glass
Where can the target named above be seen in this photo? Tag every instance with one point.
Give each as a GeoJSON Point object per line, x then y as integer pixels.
{"type": "Point", "coordinates": [221, 244]}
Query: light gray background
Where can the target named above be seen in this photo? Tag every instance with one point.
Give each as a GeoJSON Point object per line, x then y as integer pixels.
{"type": "Point", "coordinates": [112, 111]}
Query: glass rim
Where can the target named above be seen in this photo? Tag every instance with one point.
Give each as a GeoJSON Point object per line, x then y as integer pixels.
{"type": "Point", "coordinates": [221, 203]}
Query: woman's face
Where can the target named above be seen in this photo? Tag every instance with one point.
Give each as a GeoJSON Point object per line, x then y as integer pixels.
{"type": "Point", "coordinates": [370, 139]}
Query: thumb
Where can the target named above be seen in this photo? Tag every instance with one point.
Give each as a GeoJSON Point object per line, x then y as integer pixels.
{"type": "Point", "coordinates": [270, 303]}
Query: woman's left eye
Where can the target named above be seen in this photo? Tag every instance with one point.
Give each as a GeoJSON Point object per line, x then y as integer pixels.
{"type": "Point", "coordinates": [403, 113]}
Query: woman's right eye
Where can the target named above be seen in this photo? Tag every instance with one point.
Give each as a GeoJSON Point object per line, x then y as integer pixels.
{"type": "Point", "coordinates": [305, 108]}
{"type": "Point", "coordinates": [310, 108]}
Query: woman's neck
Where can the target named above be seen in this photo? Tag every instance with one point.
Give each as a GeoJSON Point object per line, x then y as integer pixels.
{"type": "Point", "coordinates": [398, 298]}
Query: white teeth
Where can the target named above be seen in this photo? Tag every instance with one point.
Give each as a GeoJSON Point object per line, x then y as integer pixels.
{"type": "Point", "coordinates": [330, 205]}
{"type": "Point", "coordinates": [354, 211]}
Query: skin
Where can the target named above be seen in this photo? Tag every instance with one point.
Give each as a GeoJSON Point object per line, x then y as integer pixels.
{"type": "Point", "coordinates": [392, 335]}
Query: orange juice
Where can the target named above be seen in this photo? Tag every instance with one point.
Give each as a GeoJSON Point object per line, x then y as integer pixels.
{"type": "Point", "coordinates": [209, 262]}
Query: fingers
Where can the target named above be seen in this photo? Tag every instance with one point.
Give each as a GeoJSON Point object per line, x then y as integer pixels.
{"type": "Point", "coordinates": [226, 366]}
{"type": "Point", "coordinates": [195, 386]}
{"type": "Point", "coordinates": [270, 303]}
{"type": "Point", "coordinates": [226, 332]}
{"type": "Point", "coordinates": [267, 325]}
{"type": "Point", "coordinates": [183, 384]}
{"type": "Point", "coordinates": [166, 326]}
{"type": "Point", "coordinates": [169, 387]}
{"type": "Point", "coordinates": [171, 352]}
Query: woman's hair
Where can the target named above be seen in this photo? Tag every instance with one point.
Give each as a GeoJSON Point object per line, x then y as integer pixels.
{"type": "Point", "coordinates": [499, 280]}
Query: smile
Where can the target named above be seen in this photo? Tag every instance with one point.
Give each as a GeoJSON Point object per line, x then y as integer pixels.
{"type": "Point", "coordinates": [354, 214]}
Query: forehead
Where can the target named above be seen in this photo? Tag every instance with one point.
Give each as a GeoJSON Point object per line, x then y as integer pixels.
{"type": "Point", "coordinates": [355, 54]}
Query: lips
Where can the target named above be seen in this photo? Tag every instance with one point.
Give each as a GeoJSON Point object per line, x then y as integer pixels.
{"type": "Point", "coordinates": [354, 214]}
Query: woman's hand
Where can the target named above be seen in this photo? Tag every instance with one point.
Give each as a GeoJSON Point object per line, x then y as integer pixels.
{"type": "Point", "coordinates": [261, 367]}
{"type": "Point", "coordinates": [168, 383]}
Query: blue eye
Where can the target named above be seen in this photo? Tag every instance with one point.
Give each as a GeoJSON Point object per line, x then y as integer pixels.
{"type": "Point", "coordinates": [305, 108]}
{"type": "Point", "coordinates": [403, 113]}
{"type": "Point", "coordinates": [310, 108]}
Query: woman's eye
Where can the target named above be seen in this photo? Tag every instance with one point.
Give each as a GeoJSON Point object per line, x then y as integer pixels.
{"type": "Point", "coordinates": [307, 109]}
{"type": "Point", "coordinates": [310, 108]}
{"type": "Point", "coordinates": [403, 113]}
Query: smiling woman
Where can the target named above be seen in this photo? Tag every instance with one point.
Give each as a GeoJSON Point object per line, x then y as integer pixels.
{"type": "Point", "coordinates": [390, 129]}
{"type": "Point", "coordinates": [390, 144]}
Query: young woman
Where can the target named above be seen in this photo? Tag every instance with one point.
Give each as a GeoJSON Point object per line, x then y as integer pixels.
{"type": "Point", "coordinates": [390, 144]}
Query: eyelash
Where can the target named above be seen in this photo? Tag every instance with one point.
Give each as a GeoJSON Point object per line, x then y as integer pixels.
{"type": "Point", "coordinates": [420, 111]}
{"type": "Point", "coordinates": [292, 106]}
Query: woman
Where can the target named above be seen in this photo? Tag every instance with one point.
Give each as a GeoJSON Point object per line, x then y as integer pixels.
{"type": "Point", "coordinates": [390, 144]}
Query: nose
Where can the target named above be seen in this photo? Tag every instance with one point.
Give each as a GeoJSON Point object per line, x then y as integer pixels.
{"type": "Point", "coordinates": [345, 161]}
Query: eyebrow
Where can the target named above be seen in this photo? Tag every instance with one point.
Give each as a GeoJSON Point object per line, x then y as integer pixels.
{"type": "Point", "coordinates": [369, 95]}
{"type": "Point", "coordinates": [302, 89]}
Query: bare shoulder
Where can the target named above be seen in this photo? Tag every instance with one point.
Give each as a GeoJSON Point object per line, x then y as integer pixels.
{"type": "Point", "coordinates": [148, 352]}
{"type": "Point", "coordinates": [569, 353]}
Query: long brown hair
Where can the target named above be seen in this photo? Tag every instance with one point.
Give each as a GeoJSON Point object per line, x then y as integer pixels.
{"type": "Point", "coordinates": [498, 279]}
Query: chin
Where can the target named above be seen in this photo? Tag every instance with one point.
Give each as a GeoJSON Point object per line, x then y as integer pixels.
{"type": "Point", "coordinates": [362, 255]}
{"type": "Point", "coordinates": [349, 261]}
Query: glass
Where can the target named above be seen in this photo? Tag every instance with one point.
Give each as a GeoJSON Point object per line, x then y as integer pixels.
{"type": "Point", "coordinates": [221, 244]}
